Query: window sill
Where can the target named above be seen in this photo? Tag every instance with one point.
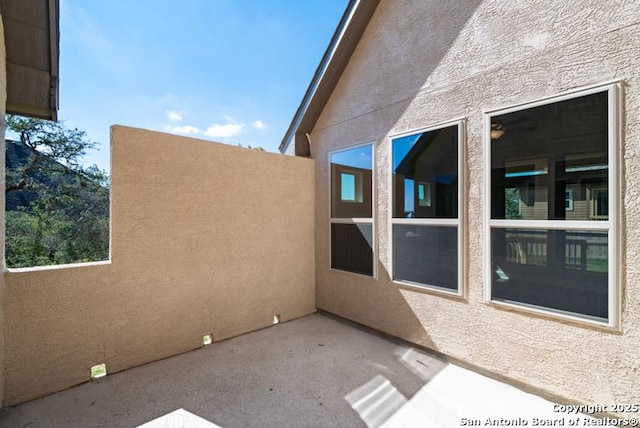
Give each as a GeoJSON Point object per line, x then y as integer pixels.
{"type": "Point", "coordinates": [346, 272]}
{"type": "Point", "coordinates": [57, 267]}
{"type": "Point", "coordinates": [429, 289]}
{"type": "Point", "coordinates": [554, 315]}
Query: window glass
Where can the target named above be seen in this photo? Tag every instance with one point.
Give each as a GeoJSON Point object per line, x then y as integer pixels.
{"type": "Point", "coordinates": [550, 162]}
{"type": "Point", "coordinates": [426, 255]}
{"type": "Point", "coordinates": [351, 182]}
{"type": "Point", "coordinates": [351, 247]}
{"type": "Point", "coordinates": [425, 222]}
{"type": "Point", "coordinates": [424, 194]}
{"type": "Point", "coordinates": [425, 174]}
{"type": "Point", "coordinates": [568, 200]}
{"type": "Point", "coordinates": [599, 204]}
{"type": "Point", "coordinates": [348, 187]}
{"type": "Point", "coordinates": [565, 270]}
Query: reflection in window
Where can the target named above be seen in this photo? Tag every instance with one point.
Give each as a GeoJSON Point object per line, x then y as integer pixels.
{"type": "Point", "coordinates": [351, 248]}
{"type": "Point", "coordinates": [549, 163]}
{"type": "Point", "coordinates": [347, 187]}
{"type": "Point", "coordinates": [568, 200]}
{"type": "Point", "coordinates": [424, 194]}
{"type": "Point", "coordinates": [425, 190]}
{"type": "Point", "coordinates": [552, 155]}
{"type": "Point", "coordinates": [351, 210]}
{"type": "Point", "coordinates": [425, 174]}
{"type": "Point", "coordinates": [435, 247]}
{"type": "Point", "coordinates": [351, 183]}
{"type": "Point", "coordinates": [566, 270]}
{"type": "Point", "coordinates": [599, 204]}
{"type": "Point", "coordinates": [513, 199]}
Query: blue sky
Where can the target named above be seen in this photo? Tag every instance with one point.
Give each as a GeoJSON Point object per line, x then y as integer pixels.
{"type": "Point", "coordinates": [232, 71]}
{"type": "Point", "coordinates": [359, 157]}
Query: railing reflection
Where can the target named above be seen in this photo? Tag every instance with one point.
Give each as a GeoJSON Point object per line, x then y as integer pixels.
{"type": "Point", "coordinates": [582, 251]}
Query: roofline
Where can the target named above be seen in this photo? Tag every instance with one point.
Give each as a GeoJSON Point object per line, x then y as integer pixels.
{"type": "Point", "coordinates": [343, 42]}
{"type": "Point", "coordinates": [54, 43]}
{"type": "Point", "coordinates": [32, 83]}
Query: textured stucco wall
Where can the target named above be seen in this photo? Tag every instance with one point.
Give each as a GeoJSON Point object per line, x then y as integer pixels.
{"type": "Point", "coordinates": [3, 103]}
{"type": "Point", "coordinates": [206, 238]}
{"type": "Point", "coordinates": [422, 62]}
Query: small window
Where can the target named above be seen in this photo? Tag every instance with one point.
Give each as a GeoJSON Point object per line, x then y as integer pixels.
{"type": "Point", "coordinates": [568, 199]}
{"type": "Point", "coordinates": [348, 187]}
{"type": "Point", "coordinates": [351, 184]}
{"type": "Point", "coordinates": [599, 203]}
{"type": "Point", "coordinates": [424, 194]}
{"type": "Point", "coordinates": [352, 248]}
{"type": "Point", "coordinates": [552, 184]}
{"type": "Point", "coordinates": [426, 232]}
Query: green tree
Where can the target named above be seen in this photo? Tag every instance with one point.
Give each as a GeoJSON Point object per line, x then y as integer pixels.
{"type": "Point", "coordinates": [64, 213]}
{"type": "Point", "coordinates": [250, 147]}
{"type": "Point", "coordinates": [512, 203]}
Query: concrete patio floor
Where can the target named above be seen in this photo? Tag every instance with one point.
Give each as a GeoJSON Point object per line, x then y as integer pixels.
{"type": "Point", "coordinates": [318, 371]}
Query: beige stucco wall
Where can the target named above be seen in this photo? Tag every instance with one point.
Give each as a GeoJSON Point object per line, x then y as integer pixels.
{"type": "Point", "coordinates": [206, 238]}
{"type": "Point", "coordinates": [420, 63]}
{"type": "Point", "coordinates": [3, 103]}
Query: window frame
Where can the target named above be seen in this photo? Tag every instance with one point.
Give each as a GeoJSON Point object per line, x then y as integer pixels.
{"type": "Point", "coordinates": [611, 226]}
{"type": "Point", "coordinates": [458, 222]}
{"type": "Point", "coordinates": [354, 220]}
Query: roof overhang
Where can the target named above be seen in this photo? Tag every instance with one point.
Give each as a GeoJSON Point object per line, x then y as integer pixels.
{"type": "Point", "coordinates": [32, 39]}
{"type": "Point", "coordinates": [335, 59]}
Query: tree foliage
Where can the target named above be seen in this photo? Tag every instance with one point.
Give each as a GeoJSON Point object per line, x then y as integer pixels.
{"type": "Point", "coordinates": [63, 211]}
{"type": "Point", "coordinates": [512, 203]}
{"type": "Point", "coordinates": [256, 148]}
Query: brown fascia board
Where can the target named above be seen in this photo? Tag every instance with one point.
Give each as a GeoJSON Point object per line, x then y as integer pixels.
{"type": "Point", "coordinates": [54, 41]}
{"type": "Point", "coordinates": [344, 41]}
{"type": "Point", "coordinates": [32, 37]}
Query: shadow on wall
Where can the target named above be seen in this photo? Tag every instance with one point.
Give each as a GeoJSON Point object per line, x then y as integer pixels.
{"type": "Point", "coordinates": [368, 104]}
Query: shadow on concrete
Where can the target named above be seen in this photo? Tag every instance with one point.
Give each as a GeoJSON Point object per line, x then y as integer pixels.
{"type": "Point", "coordinates": [294, 374]}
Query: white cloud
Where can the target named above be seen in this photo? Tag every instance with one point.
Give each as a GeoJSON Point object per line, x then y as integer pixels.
{"type": "Point", "coordinates": [188, 129]}
{"type": "Point", "coordinates": [227, 130]}
{"type": "Point", "coordinates": [174, 116]}
{"type": "Point", "coordinates": [216, 130]}
{"type": "Point", "coordinates": [258, 124]}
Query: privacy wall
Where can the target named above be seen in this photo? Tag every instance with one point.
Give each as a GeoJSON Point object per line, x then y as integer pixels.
{"type": "Point", "coordinates": [424, 64]}
{"type": "Point", "coordinates": [206, 238]}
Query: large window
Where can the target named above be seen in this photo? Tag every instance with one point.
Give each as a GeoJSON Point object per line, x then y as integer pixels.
{"type": "Point", "coordinates": [553, 195]}
{"type": "Point", "coordinates": [426, 232]}
{"type": "Point", "coordinates": [352, 248]}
